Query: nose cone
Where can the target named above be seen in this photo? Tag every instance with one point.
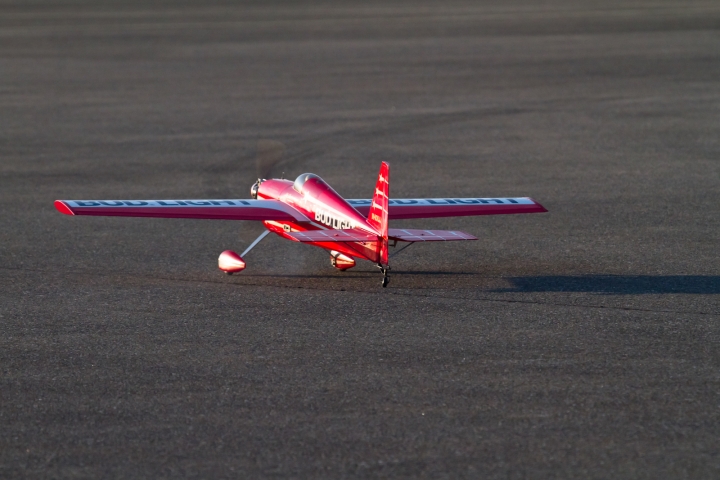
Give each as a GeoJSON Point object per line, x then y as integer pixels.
{"type": "Point", "coordinates": [230, 262]}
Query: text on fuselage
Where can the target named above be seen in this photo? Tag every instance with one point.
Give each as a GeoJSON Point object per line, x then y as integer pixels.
{"type": "Point", "coordinates": [331, 221]}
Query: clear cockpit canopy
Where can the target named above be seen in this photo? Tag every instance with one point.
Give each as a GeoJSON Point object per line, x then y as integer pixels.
{"type": "Point", "coordinates": [300, 181]}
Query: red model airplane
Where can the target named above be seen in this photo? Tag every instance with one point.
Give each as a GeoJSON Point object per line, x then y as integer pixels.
{"type": "Point", "coordinates": [310, 211]}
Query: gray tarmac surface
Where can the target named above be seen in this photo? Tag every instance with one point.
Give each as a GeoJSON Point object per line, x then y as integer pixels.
{"type": "Point", "coordinates": [582, 343]}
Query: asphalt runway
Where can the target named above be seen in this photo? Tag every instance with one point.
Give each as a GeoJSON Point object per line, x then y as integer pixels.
{"type": "Point", "coordinates": [581, 343]}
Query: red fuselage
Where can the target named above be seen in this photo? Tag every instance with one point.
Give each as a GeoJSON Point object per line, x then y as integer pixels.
{"type": "Point", "coordinates": [325, 208]}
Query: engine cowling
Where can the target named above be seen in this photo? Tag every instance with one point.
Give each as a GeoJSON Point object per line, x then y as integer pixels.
{"type": "Point", "coordinates": [340, 261]}
{"type": "Point", "coordinates": [230, 262]}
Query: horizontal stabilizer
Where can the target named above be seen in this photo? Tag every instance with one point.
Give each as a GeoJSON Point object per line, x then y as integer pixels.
{"type": "Point", "coordinates": [353, 235]}
{"type": "Point", "coordinates": [201, 209]}
{"type": "Point", "coordinates": [407, 235]}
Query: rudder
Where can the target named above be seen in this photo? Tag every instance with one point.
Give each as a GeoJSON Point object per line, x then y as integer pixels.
{"type": "Point", "coordinates": [378, 215]}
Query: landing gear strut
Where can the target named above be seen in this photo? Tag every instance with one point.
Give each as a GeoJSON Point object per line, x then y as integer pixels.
{"type": "Point", "coordinates": [386, 277]}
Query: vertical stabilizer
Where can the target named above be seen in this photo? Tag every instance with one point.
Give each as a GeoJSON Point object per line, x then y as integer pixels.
{"type": "Point", "coordinates": [378, 216]}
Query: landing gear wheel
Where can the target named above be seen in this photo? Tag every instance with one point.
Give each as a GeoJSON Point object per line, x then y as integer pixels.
{"type": "Point", "coordinates": [385, 281]}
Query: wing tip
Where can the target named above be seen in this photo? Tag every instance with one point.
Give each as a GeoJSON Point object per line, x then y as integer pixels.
{"type": "Point", "coordinates": [541, 209]}
{"type": "Point", "coordinates": [62, 207]}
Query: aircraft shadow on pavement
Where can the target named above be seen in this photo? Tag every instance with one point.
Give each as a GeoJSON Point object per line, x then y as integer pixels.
{"type": "Point", "coordinates": [617, 284]}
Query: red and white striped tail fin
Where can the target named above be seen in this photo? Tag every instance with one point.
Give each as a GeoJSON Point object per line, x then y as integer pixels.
{"type": "Point", "coordinates": [378, 215]}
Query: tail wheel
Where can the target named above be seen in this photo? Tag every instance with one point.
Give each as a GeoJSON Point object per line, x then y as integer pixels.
{"type": "Point", "coordinates": [385, 271]}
